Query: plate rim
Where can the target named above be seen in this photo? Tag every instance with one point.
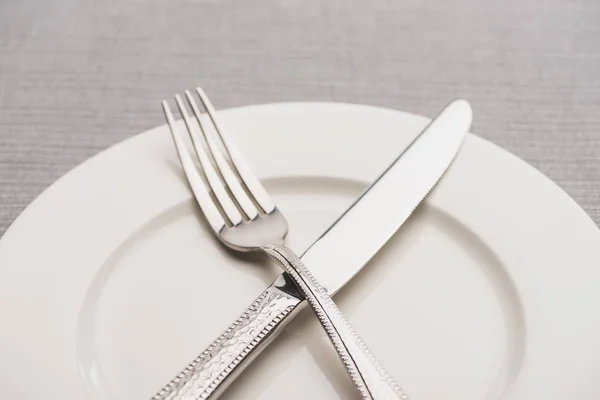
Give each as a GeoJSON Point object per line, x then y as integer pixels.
{"type": "Point", "coordinates": [250, 107]}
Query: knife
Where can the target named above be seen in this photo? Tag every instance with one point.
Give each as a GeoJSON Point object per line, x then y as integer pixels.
{"type": "Point", "coordinates": [334, 259]}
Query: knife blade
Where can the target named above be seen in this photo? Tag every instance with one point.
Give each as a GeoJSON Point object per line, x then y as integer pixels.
{"type": "Point", "coordinates": [334, 258]}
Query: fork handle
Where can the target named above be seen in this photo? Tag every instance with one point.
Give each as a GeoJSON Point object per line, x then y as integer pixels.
{"type": "Point", "coordinates": [209, 374]}
{"type": "Point", "coordinates": [371, 379]}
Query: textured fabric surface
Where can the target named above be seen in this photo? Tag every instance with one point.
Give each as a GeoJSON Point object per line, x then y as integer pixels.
{"type": "Point", "coordinates": [79, 76]}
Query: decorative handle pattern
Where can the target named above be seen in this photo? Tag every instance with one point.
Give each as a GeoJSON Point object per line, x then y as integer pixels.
{"type": "Point", "coordinates": [212, 371]}
{"type": "Point", "coordinates": [371, 379]}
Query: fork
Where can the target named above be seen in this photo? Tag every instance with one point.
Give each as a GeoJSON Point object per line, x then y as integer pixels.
{"type": "Point", "coordinates": [243, 216]}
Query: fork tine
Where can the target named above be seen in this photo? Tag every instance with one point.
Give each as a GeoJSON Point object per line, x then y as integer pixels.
{"type": "Point", "coordinates": [214, 182]}
{"type": "Point", "coordinates": [226, 173]}
{"type": "Point", "coordinates": [245, 173]}
{"type": "Point", "coordinates": [209, 209]}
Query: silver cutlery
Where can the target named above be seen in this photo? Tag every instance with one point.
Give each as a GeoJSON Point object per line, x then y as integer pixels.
{"type": "Point", "coordinates": [244, 218]}
{"type": "Point", "coordinates": [400, 188]}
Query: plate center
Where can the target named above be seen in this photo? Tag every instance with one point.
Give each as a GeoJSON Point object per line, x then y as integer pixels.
{"type": "Point", "coordinates": [170, 289]}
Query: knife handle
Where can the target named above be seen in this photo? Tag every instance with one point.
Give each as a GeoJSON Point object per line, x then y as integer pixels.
{"type": "Point", "coordinates": [370, 378]}
{"type": "Point", "coordinates": [209, 374]}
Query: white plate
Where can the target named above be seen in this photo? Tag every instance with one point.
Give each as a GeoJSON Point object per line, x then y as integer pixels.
{"type": "Point", "coordinates": [109, 283]}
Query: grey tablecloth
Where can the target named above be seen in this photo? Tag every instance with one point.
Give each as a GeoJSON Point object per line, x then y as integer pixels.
{"type": "Point", "coordinates": [79, 76]}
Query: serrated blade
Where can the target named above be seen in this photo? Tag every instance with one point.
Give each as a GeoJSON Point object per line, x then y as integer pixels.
{"type": "Point", "coordinates": [387, 203]}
